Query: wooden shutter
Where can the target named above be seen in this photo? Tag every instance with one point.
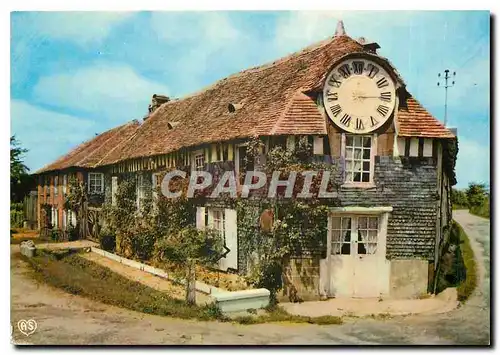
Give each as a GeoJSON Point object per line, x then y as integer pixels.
{"type": "Point", "coordinates": [231, 237]}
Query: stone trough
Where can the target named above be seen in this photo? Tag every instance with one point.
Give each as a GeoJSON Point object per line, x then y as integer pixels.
{"type": "Point", "coordinates": [28, 248]}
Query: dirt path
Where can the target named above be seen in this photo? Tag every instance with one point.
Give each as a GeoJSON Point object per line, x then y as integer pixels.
{"type": "Point", "coordinates": [68, 319]}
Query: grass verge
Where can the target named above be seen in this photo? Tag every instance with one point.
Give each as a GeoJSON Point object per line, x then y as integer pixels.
{"type": "Point", "coordinates": [79, 276]}
{"type": "Point", "coordinates": [467, 286]}
{"type": "Point", "coordinates": [76, 275]}
{"type": "Point", "coordinates": [278, 314]}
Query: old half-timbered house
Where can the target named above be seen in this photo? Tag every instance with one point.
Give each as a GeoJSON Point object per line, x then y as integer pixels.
{"type": "Point", "coordinates": [392, 211]}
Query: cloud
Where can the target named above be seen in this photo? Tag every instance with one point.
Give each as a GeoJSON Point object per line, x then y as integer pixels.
{"type": "Point", "coordinates": [47, 134]}
{"type": "Point", "coordinates": [81, 28]}
{"type": "Point", "coordinates": [110, 91]}
{"type": "Point", "coordinates": [205, 41]}
{"type": "Point", "coordinates": [210, 29]}
{"type": "Point", "coordinates": [473, 162]}
{"type": "Point", "coordinates": [298, 29]}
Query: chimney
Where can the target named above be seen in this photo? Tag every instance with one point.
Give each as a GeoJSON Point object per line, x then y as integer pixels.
{"type": "Point", "coordinates": [156, 101]}
{"type": "Point", "coordinates": [369, 46]}
{"type": "Point", "coordinates": [340, 31]}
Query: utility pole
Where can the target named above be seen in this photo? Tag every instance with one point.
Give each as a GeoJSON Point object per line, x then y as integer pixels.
{"type": "Point", "coordinates": [446, 76]}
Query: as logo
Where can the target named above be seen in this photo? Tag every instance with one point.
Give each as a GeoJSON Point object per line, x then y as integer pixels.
{"type": "Point", "coordinates": [27, 327]}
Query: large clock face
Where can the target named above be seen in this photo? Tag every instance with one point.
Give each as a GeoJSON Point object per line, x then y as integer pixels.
{"type": "Point", "coordinates": [359, 95]}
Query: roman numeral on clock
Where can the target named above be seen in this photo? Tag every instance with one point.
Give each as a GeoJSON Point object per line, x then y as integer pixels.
{"type": "Point", "coordinates": [358, 66]}
{"type": "Point", "coordinates": [385, 96]}
{"type": "Point", "coordinates": [382, 83]}
{"type": "Point", "coordinates": [336, 109]}
{"type": "Point", "coordinates": [346, 120]}
{"type": "Point", "coordinates": [332, 96]}
{"type": "Point", "coordinates": [373, 121]}
{"type": "Point", "coordinates": [372, 70]}
{"type": "Point", "coordinates": [359, 124]}
{"type": "Point", "coordinates": [334, 82]}
{"type": "Point", "coordinates": [345, 71]}
{"type": "Point", "coordinates": [383, 110]}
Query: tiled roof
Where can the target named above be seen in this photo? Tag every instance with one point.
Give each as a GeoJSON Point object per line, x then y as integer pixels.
{"type": "Point", "coordinates": [300, 117]}
{"type": "Point", "coordinates": [265, 91]}
{"type": "Point", "coordinates": [415, 121]}
{"type": "Point", "coordinates": [90, 153]}
{"type": "Point", "coordinates": [273, 99]}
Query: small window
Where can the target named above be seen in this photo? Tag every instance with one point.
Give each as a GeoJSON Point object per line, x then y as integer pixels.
{"type": "Point", "coordinates": [358, 159]}
{"type": "Point", "coordinates": [217, 220]}
{"type": "Point", "coordinates": [56, 180]}
{"type": "Point", "coordinates": [96, 183]}
{"type": "Point", "coordinates": [198, 162]}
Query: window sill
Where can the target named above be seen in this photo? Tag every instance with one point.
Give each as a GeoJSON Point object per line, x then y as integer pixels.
{"type": "Point", "coordinates": [358, 185]}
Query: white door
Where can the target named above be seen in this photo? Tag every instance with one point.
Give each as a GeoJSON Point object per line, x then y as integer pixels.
{"type": "Point", "coordinates": [357, 265]}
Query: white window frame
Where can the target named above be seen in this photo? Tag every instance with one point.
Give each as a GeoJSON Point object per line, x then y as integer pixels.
{"type": "Point", "coordinates": [217, 224]}
{"type": "Point", "coordinates": [195, 166]}
{"type": "Point", "coordinates": [373, 153]}
{"type": "Point", "coordinates": [95, 177]}
{"type": "Point", "coordinates": [355, 230]}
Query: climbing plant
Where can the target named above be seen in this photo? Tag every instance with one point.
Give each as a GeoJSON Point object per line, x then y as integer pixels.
{"type": "Point", "coordinates": [299, 226]}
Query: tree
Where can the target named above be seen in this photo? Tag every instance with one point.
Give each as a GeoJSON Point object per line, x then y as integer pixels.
{"type": "Point", "coordinates": [476, 194]}
{"type": "Point", "coordinates": [459, 198]}
{"type": "Point", "coordinates": [20, 181]}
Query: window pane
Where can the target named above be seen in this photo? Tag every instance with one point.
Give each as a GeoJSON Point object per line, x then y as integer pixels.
{"type": "Point", "coordinates": [366, 177]}
{"type": "Point", "coordinates": [367, 141]}
{"type": "Point", "coordinates": [348, 177]}
{"type": "Point", "coordinates": [371, 248]}
{"type": "Point", "coordinates": [336, 248]}
{"type": "Point", "coordinates": [361, 248]}
{"type": "Point", "coordinates": [346, 223]}
{"type": "Point", "coordinates": [372, 236]}
{"type": "Point", "coordinates": [348, 153]}
{"type": "Point", "coordinates": [373, 222]}
{"type": "Point", "coordinates": [357, 153]}
{"type": "Point", "coordinates": [357, 141]}
{"type": "Point", "coordinates": [366, 153]}
{"type": "Point", "coordinates": [336, 236]}
{"type": "Point", "coordinates": [362, 222]}
{"type": "Point", "coordinates": [357, 166]}
{"type": "Point", "coordinates": [366, 166]}
{"type": "Point", "coordinates": [346, 249]}
{"type": "Point", "coordinates": [348, 165]}
{"type": "Point", "coordinates": [335, 222]}
{"type": "Point", "coordinates": [349, 141]}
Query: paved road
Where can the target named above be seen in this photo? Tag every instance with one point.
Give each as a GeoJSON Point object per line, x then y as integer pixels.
{"type": "Point", "coordinates": [69, 319]}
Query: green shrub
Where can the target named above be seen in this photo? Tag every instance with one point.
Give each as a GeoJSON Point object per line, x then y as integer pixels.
{"type": "Point", "coordinates": [72, 232]}
{"type": "Point", "coordinates": [143, 242]}
{"type": "Point", "coordinates": [466, 287]}
{"type": "Point", "coordinates": [107, 240]}
{"type": "Point", "coordinates": [16, 219]}
{"type": "Point", "coordinates": [204, 245]}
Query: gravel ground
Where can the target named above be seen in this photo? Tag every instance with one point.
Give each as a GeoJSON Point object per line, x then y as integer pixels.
{"type": "Point", "coordinates": [67, 319]}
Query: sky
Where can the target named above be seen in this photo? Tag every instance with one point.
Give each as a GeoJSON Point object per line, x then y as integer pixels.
{"type": "Point", "coordinates": [76, 74]}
